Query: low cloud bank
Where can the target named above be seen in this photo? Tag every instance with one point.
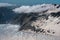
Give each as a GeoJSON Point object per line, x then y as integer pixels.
{"type": "Point", "coordinates": [37, 8]}
{"type": "Point", "coordinates": [5, 4]}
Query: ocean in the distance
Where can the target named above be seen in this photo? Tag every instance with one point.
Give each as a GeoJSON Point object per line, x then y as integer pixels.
{"type": "Point", "coordinates": [30, 2]}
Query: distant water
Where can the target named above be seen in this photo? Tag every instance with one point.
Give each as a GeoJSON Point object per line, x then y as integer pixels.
{"type": "Point", "coordinates": [30, 2]}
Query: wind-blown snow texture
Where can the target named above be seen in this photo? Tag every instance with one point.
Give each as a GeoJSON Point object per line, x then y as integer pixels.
{"type": "Point", "coordinates": [37, 22]}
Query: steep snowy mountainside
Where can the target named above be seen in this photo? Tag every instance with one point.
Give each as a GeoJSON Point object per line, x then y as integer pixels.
{"type": "Point", "coordinates": [43, 18]}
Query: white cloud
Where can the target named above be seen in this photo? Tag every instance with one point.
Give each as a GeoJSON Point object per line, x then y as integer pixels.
{"type": "Point", "coordinates": [35, 8]}
{"type": "Point", "coordinates": [5, 4]}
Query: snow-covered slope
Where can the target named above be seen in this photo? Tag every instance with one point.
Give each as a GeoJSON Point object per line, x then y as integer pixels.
{"type": "Point", "coordinates": [9, 32]}
{"type": "Point", "coordinates": [40, 18]}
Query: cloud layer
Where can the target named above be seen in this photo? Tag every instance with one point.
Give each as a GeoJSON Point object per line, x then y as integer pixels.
{"type": "Point", "coordinates": [5, 4]}
{"type": "Point", "coordinates": [37, 8]}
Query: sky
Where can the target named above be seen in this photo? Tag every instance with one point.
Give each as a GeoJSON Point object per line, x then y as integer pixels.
{"type": "Point", "coordinates": [30, 2]}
